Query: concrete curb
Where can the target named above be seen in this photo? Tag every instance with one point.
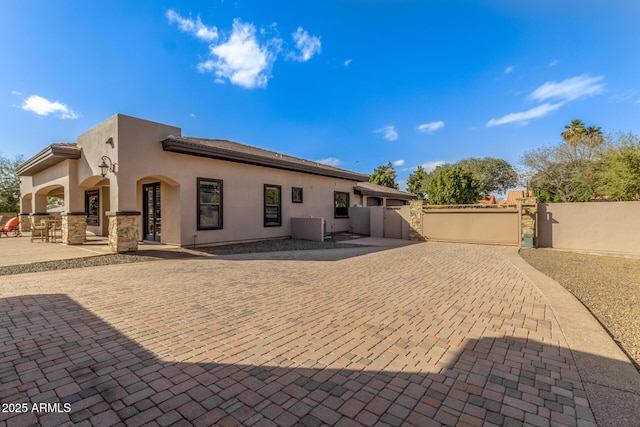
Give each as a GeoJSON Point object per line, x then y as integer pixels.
{"type": "Point", "coordinates": [611, 381]}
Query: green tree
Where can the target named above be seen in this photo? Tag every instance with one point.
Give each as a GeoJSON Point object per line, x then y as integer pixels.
{"type": "Point", "coordinates": [453, 185]}
{"type": "Point", "coordinates": [9, 184]}
{"type": "Point", "coordinates": [567, 172]}
{"type": "Point", "coordinates": [619, 177]}
{"type": "Point", "coordinates": [384, 175]}
{"type": "Point", "coordinates": [493, 174]}
{"type": "Point", "coordinates": [417, 182]}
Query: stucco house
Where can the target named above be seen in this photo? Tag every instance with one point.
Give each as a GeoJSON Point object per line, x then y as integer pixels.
{"type": "Point", "coordinates": [136, 180]}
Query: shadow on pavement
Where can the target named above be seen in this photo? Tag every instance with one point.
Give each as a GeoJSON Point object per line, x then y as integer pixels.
{"type": "Point", "coordinates": [53, 350]}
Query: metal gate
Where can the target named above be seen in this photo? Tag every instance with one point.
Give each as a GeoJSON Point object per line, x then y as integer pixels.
{"type": "Point", "coordinates": [472, 224]}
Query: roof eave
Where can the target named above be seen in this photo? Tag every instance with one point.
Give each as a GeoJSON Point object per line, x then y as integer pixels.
{"type": "Point", "coordinates": [50, 156]}
{"type": "Point", "coordinates": [389, 195]}
{"type": "Point", "coordinates": [182, 147]}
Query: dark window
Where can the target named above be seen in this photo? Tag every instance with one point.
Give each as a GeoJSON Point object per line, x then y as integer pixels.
{"type": "Point", "coordinates": [209, 204]}
{"type": "Point", "coordinates": [92, 207]}
{"type": "Point", "coordinates": [272, 206]}
{"type": "Point", "coordinates": [340, 204]}
{"type": "Point", "coordinates": [296, 195]}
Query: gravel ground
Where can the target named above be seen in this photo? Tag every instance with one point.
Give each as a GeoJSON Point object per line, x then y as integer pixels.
{"type": "Point", "coordinates": [276, 246]}
{"type": "Point", "coordinates": [151, 255]}
{"type": "Point", "coordinates": [608, 286]}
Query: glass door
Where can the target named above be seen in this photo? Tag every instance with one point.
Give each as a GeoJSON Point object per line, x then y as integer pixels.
{"type": "Point", "coordinates": [151, 212]}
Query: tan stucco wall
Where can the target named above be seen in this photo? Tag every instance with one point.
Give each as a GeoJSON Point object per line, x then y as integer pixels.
{"type": "Point", "coordinates": [94, 145]}
{"type": "Point", "coordinates": [136, 149]}
{"type": "Point", "coordinates": [243, 198]}
{"type": "Point", "coordinates": [40, 184]}
{"type": "Point", "coordinates": [360, 220]}
{"type": "Point", "coordinates": [603, 226]}
{"type": "Point", "coordinates": [140, 155]}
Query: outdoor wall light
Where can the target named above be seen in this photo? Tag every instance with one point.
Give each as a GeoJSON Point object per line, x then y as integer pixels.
{"type": "Point", "coordinates": [104, 167]}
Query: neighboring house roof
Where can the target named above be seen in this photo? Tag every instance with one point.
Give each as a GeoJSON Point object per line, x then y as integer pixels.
{"type": "Point", "coordinates": [50, 156]}
{"type": "Point", "coordinates": [489, 200]}
{"type": "Point", "coordinates": [369, 189]}
{"type": "Point", "coordinates": [514, 195]}
{"type": "Point", "coordinates": [236, 152]}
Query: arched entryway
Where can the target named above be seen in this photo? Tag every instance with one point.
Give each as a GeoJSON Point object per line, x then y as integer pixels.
{"type": "Point", "coordinates": [159, 201]}
{"type": "Point", "coordinates": [96, 194]}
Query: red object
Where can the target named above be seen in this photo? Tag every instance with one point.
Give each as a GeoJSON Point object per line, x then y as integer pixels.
{"type": "Point", "coordinates": [10, 226]}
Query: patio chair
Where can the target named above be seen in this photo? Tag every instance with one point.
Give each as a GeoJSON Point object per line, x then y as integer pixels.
{"type": "Point", "coordinates": [11, 227]}
{"type": "Point", "coordinates": [37, 231]}
{"type": "Point", "coordinates": [55, 228]}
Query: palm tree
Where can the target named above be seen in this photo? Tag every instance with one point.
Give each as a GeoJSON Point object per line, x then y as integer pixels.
{"type": "Point", "coordinates": [573, 132]}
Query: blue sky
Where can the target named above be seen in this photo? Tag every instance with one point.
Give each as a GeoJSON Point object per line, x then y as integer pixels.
{"type": "Point", "coordinates": [352, 83]}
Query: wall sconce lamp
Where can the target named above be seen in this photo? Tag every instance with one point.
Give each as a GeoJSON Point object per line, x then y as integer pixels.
{"type": "Point", "coordinates": [104, 167]}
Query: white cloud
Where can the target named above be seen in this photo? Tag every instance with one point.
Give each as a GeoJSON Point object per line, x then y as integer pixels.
{"type": "Point", "coordinates": [431, 127]}
{"type": "Point", "coordinates": [15, 92]}
{"type": "Point", "coordinates": [307, 45]}
{"type": "Point", "coordinates": [192, 115]}
{"type": "Point", "coordinates": [245, 57]}
{"type": "Point", "coordinates": [242, 59]}
{"type": "Point", "coordinates": [626, 96]}
{"type": "Point", "coordinates": [195, 28]}
{"type": "Point", "coordinates": [509, 69]}
{"type": "Point", "coordinates": [430, 166]}
{"type": "Point", "coordinates": [330, 161]}
{"type": "Point", "coordinates": [347, 62]}
{"type": "Point", "coordinates": [43, 107]}
{"type": "Point", "coordinates": [553, 63]}
{"type": "Point", "coordinates": [524, 116]}
{"type": "Point", "coordinates": [562, 92]}
{"type": "Point", "coordinates": [388, 132]}
{"type": "Point", "coordinates": [569, 89]}
{"type": "Point", "coordinates": [398, 163]}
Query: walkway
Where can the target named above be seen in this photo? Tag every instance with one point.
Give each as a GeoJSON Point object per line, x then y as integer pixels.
{"type": "Point", "coordinates": [426, 334]}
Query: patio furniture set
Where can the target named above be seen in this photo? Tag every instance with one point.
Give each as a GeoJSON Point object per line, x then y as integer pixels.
{"type": "Point", "coordinates": [46, 230]}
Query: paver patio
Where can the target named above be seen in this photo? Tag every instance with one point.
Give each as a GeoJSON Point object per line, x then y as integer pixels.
{"type": "Point", "coordinates": [427, 334]}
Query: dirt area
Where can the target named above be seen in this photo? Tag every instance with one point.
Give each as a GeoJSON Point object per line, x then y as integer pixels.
{"type": "Point", "coordinates": [608, 286]}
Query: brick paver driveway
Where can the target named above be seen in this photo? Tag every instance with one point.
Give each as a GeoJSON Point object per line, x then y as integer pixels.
{"type": "Point", "coordinates": [428, 334]}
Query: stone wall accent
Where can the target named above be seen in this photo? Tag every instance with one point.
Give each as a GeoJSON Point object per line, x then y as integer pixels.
{"type": "Point", "coordinates": [25, 225]}
{"type": "Point", "coordinates": [415, 220]}
{"type": "Point", "coordinates": [123, 231]}
{"type": "Point", "coordinates": [528, 208]}
{"type": "Point", "coordinates": [74, 228]}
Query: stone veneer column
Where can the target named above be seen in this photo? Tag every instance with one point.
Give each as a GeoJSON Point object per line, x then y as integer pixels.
{"type": "Point", "coordinates": [528, 208]}
{"type": "Point", "coordinates": [25, 225]}
{"type": "Point", "coordinates": [415, 220]}
{"type": "Point", "coordinates": [123, 231]}
{"type": "Point", "coordinates": [74, 228]}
